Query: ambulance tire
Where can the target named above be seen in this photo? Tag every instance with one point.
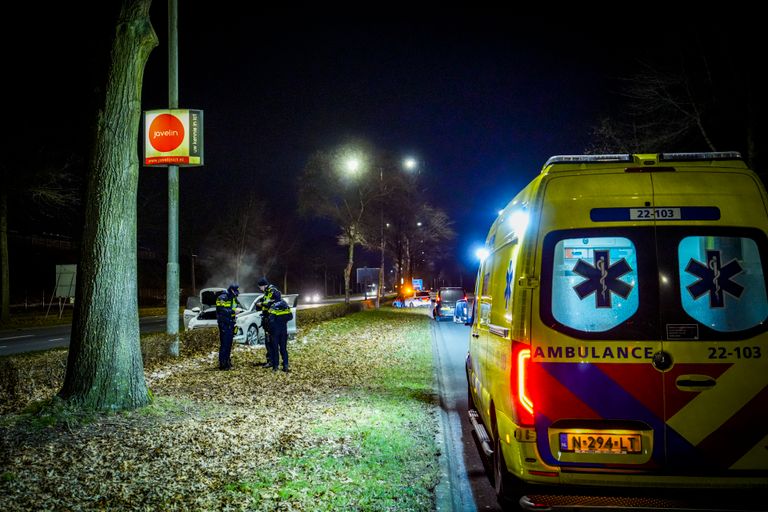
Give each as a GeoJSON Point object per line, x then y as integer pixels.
{"type": "Point", "coordinates": [508, 488]}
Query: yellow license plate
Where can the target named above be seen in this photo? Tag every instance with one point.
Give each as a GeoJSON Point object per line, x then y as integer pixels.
{"type": "Point", "coordinates": [600, 442]}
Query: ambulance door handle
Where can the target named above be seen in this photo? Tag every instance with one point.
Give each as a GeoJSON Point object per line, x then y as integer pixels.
{"type": "Point", "coordinates": [475, 335]}
{"type": "Point", "coordinates": [695, 382]}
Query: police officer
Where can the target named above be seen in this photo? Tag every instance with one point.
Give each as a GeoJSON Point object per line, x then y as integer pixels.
{"type": "Point", "coordinates": [265, 302]}
{"type": "Point", "coordinates": [279, 316]}
{"type": "Point", "coordinates": [226, 303]}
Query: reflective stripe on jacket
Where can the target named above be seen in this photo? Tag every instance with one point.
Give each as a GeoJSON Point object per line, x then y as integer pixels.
{"type": "Point", "coordinates": [225, 305]}
{"type": "Point", "coordinates": [271, 296]}
{"type": "Point", "coordinates": [280, 308]}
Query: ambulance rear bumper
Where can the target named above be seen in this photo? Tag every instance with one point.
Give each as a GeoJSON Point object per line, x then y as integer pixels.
{"type": "Point", "coordinates": [753, 501]}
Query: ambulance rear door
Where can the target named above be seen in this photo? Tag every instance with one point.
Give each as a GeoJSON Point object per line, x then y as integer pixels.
{"type": "Point", "coordinates": [597, 398]}
{"type": "Point", "coordinates": [712, 253]}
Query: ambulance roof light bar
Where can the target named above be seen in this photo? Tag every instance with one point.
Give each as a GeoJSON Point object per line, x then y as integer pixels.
{"type": "Point", "coordinates": [713, 155]}
{"type": "Point", "coordinates": [586, 159]}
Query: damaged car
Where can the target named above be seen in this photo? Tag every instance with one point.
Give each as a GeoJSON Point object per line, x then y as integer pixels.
{"type": "Point", "coordinates": [248, 328]}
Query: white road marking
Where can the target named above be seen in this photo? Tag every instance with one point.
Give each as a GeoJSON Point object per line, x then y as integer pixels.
{"type": "Point", "coordinates": [17, 337]}
{"type": "Point", "coordinates": [57, 339]}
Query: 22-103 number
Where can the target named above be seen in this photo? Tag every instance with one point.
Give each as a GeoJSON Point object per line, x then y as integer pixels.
{"type": "Point", "coordinates": [655, 213]}
{"type": "Point", "coordinates": [737, 352]}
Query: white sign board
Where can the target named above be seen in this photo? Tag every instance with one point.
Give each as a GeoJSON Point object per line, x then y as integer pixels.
{"type": "Point", "coordinates": [65, 280]}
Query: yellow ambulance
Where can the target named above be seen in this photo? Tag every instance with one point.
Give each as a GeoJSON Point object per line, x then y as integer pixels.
{"type": "Point", "coordinates": [619, 342]}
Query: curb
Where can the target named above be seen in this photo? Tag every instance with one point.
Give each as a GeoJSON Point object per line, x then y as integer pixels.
{"type": "Point", "coordinates": [453, 488]}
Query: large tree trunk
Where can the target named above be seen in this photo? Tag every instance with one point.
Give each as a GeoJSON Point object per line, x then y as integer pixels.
{"type": "Point", "coordinates": [104, 368]}
{"type": "Point", "coordinates": [5, 275]}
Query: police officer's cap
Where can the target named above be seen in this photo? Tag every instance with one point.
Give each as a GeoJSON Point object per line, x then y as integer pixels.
{"type": "Point", "coordinates": [263, 282]}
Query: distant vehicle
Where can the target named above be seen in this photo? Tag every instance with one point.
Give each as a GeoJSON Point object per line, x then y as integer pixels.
{"type": "Point", "coordinates": [619, 337]}
{"type": "Point", "coordinates": [248, 329]}
{"type": "Point", "coordinates": [445, 303]}
{"type": "Point", "coordinates": [311, 297]}
{"type": "Point", "coordinates": [419, 299]}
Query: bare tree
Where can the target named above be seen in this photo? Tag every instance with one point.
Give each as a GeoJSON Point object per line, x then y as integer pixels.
{"type": "Point", "coordinates": [417, 239]}
{"type": "Point", "coordinates": [249, 241]}
{"type": "Point", "coordinates": [50, 186]}
{"type": "Point", "coordinates": [104, 367]}
{"type": "Point", "coordinates": [334, 188]}
{"type": "Point", "coordinates": [699, 93]}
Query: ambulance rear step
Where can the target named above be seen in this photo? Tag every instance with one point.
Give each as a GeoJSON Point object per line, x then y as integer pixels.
{"type": "Point", "coordinates": [561, 503]}
{"type": "Point", "coordinates": [480, 434]}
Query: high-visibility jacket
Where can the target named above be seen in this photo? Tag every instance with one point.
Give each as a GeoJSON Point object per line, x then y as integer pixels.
{"type": "Point", "coordinates": [270, 297]}
{"type": "Point", "coordinates": [281, 309]}
{"type": "Point", "coordinates": [225, 306]}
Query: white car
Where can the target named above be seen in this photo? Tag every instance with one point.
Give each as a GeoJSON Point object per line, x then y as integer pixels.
{"type": "Point", "coordinates": [419, 299]}
{"type": "Point", "coordinates": [248, 329]}
{"type": "Point", "coordinates": [206, 299]}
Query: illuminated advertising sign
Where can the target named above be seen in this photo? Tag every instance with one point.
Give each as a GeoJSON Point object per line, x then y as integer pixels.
{"type": "Point", "coordinates": [173, 137]}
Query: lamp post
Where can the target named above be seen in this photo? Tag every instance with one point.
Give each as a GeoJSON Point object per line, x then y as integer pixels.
{"type": "Point", "coordinates": [409, 164]}
{"type": "Point", "coordinates": [381, 234]}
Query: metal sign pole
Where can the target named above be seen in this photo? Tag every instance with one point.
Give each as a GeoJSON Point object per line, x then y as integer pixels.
{"type": "Point", "coordinates": [172, 284]}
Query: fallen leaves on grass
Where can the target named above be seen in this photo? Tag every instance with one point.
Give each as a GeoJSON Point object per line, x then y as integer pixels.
{"type": "Point", "coordinates": [210, 432]}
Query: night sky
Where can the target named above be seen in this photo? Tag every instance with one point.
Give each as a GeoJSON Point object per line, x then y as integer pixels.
{"type": "Point", "coordinates": [481, 100]}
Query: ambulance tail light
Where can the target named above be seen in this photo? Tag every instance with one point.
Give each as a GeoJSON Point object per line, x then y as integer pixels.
{"type": "Point", "coordinates": [521, 384]}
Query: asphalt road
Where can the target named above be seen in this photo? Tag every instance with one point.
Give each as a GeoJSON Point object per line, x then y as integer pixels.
{"type": "Point", "coordinates": [468, 486]}
{"type": "Point", "coordinates": [30, 339]}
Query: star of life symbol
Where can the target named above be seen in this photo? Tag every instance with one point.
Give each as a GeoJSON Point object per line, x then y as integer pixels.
{"type": "Point", "coordinates": [714, 279]}
{"type": "Point", "coordinates": [508, 289]}
{"type": "Point", "coordinates": [602, 279]}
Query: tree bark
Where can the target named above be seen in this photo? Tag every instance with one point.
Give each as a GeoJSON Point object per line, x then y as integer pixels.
{"type": "Point", "coordinates": [5, 276]}
{"type": "Point", "coordinates": [104, 367]}
{"type": "Point", "coordinates": [348, 270]}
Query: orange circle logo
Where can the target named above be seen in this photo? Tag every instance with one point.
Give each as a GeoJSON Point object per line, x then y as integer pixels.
{"type": "Point", "coordinates": [166, 132]}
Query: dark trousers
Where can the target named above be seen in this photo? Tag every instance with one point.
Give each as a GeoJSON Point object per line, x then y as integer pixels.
{"type": "Point", "coordinates": [279, 343]}
{"type": "Point", "coordinates": [226, 333]}
{"type": "Point", "coordinates": [268, 346]}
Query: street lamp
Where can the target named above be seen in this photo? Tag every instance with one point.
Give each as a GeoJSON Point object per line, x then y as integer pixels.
{"type": "Point", "coordinates": [352, 165]}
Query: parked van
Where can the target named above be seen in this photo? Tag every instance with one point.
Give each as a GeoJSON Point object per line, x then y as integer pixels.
{"type": "Point", "coordinates": [445, 304]}
{"type": "Point", "coordinates": [619, 336]}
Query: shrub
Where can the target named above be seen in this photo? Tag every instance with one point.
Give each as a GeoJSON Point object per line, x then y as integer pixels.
{"type": "Point", "coordinates": [308, 317]}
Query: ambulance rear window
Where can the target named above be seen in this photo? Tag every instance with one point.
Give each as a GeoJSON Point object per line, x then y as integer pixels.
{"type": "Point", "coordinates": [594, 283]}
{"type": "Point", "coordinates": [722, 284]}
{"type": "Point", "coordinates": [686, 283]}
